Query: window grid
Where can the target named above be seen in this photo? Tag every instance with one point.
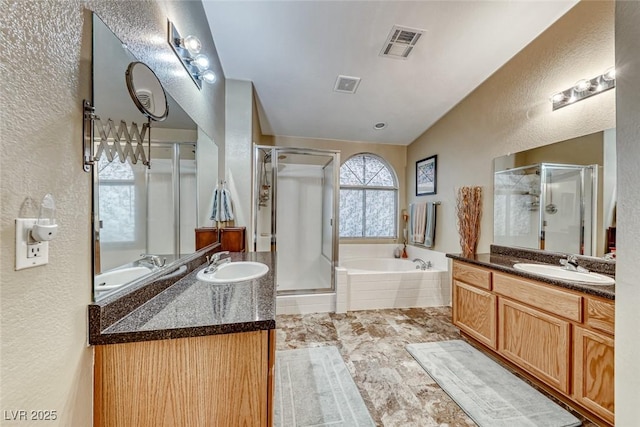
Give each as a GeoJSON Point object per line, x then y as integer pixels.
{"type": "Point", "coordinates": [375, 181]}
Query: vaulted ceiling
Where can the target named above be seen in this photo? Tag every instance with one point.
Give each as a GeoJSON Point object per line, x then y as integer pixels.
{"type": "Point", "coordinates": [293, 52]}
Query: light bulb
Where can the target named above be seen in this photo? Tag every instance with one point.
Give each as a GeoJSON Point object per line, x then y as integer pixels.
{"type": "Point", "coordinates": [610, 74]}
{"type": "Point", "coordinates": [201, 61]}
{"type": "Point", "coordinates": [208, 76]}
{"type": "Point", "coordinates": [582, 85]}
{"type": "Point", "coordinates": [558, 97]}
{"type": "Point", "coordinates": [192, 44]}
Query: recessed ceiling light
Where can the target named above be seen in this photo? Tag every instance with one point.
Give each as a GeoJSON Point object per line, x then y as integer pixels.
{"type": "Point", "coordinates": [380, 126]}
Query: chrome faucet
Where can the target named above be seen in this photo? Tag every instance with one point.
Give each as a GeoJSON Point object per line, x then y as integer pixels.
{"type": "Point", "coordinates": [153, 260]}
{"type": "Point", "coordinates": [571, 264]}
{"type": "Point", "coordinates": [216, 260]}
{"type": "Point", "coordinates": [421, 264]}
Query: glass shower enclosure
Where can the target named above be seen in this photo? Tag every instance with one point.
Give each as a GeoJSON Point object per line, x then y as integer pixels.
{"type": "Point", "coordinates": [295, 214]}
{"type": "Point", "coordinates": [547, 206]}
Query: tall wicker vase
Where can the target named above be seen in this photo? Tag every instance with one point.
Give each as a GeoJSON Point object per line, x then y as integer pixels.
{"type": "Point", "coordinates": [469, 211]}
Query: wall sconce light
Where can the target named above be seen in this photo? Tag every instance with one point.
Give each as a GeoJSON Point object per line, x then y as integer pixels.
{"type": "Point", "coordinates": [187, 49]}
{"type": "Point", "coordinates": [584, 89]}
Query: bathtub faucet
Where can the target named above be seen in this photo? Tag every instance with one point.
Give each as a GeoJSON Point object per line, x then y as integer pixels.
{"type": "Point", "coordinates": [154, 260]}
{"type": "Point", "coordinates": [421, 264]}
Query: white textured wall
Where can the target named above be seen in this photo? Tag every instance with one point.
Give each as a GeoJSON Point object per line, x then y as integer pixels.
{"type": "Point", "coordinates": [207, 153]}
{"type": "Point", "coordinates": [45, 363]}
{"type": "Point", "coordinates": [511, 112]}
{"type": "Point", "coordinates": [628, 236]}
{"type": "Point", "coordinates": [239, 150]}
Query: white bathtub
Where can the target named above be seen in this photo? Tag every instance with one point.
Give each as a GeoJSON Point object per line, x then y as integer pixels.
{"type": "Point", "coordinates": [375, 283]}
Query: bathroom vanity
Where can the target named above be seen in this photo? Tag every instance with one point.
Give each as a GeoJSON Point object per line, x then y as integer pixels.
{"type": "Point", "coordinates": [195, 354]}
{"type": "Point", "coordinates": [558, 334]}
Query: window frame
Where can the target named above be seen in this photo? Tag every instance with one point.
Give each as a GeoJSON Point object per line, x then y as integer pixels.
{"type": "Point", "coordinates": [133, 183]}
{"type": "Point", "coordinates": [363, 189]}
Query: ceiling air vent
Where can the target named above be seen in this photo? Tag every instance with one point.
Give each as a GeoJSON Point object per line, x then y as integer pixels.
{"type": "Point", "coordinates": [346, 84]}
{"type": "Point", "coordinates": [146, 98]}
{"type": "Point", "coordinates": [400, 42]}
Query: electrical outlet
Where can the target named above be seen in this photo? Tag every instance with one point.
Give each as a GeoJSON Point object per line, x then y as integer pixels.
{"type": "Point", "coordinates": [29, 253]}
{"type": "Point", "coordinates": [34, 250]}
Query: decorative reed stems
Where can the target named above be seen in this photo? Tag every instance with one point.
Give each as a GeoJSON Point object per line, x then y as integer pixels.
{"type": "Point", "coordinates": [469, 211]}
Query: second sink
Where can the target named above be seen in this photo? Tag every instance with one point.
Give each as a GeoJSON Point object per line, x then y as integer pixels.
{"type": "Point", "coordinates": [558, 272]}
{"type": "Point", "coordinates": [235, 272]}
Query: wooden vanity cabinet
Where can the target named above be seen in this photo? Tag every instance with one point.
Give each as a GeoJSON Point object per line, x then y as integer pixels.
{"type": "Point", "coordinates": [474, 307]}
{"type": "Point", "coordinates": [537, 342]}
{"type": "Point", "coordinates": [593, 358]}
{"type": "Point", "coordinates": [214, 380]}
{"type": "Point", "coordinates": [593, 377]}
{"type": "Point", "coordinates": [560, 337]}
{"type": "Point", "coordinates": [206, 236]}
{"type": "Point", "coordinates": [232, 239]}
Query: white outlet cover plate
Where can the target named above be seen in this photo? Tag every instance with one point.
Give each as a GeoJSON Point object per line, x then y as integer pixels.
{"type": "Point", "coordinates": [23, 228]}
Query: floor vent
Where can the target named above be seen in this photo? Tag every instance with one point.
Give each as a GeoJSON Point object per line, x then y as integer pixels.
{"type": "Point", "coordinates": [346, 84]}
{"type": "Point", "coordinates": [400, 42]}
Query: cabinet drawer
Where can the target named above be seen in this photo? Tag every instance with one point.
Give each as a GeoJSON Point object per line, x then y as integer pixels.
{"type": "Point", "coordinates": [472, 275]}
{"type": "Point", "coordinates": [551, 300]}
{"type": "Point", "coordinates": [600, 315]}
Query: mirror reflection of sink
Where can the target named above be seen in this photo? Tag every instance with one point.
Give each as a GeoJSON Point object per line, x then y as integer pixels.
{"type": "Point", "coordinates": [234, 272]}
{"type": "Point", "coordinates": [559, 272]}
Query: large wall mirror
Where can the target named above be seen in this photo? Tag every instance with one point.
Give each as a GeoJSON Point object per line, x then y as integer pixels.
{"type": "Point", "coordinates": [559, 197]}
{"type": "Point", "coordinates": [144, 217]}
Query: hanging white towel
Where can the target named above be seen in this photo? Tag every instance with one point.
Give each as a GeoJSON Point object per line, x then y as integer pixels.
{"type": "Point", "coordinates": [418, 222]}
{"type": "Point", "coordinates": [222, 210]}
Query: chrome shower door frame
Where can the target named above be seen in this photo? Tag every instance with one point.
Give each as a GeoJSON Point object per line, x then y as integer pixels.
{"type": "Point", "coordinates": [276, 151]}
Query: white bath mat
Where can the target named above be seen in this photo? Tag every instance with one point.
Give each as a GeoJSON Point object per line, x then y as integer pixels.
{"type": "Point", "coordinates": [490, 394]}
{"type": "Point", "coordinates": [314, 388]}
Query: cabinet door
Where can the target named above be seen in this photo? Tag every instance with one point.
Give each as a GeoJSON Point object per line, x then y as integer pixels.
{"type": "Point", "coordinates": [474, 312]}
{"type": "Point", "coordinates": [593, 372]}
{"type": "Point", "coordinates": [206, 236]}
{"type": "Point", "coordinates": [232, 239]}
{"type": "Point", "coordinates": [210, 381]}
{"type": "Point", "coordinates": [537, 342]}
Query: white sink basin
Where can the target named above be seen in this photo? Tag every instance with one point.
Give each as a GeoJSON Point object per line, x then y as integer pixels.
{"type": "Point", "coordinates": [234, 272]}
{"type": "Point", "coordinates": [559, 272]}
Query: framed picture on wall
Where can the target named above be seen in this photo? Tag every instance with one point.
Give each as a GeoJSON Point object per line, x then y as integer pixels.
{"type": "Point", "coordinates": [426, 176]}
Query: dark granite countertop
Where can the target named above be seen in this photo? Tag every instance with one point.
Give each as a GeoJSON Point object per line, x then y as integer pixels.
{"type": "Point", "coordinates": [191, 307]}
{"type": "Point", "coordinates": [502, 259]}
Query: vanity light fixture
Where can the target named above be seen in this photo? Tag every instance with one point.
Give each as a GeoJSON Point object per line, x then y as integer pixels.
{"type": "Point", "coordinates": [188, 49]}
{"type": "Point", "coordinates": [584, 89]}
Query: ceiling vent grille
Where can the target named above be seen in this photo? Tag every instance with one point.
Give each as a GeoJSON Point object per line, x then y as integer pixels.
{"type": "Point", "coordinates": [347, 84]}
{"type": "Point", "coordinates": [146, 98]}
{"type": "Point", "coordinates": [400, 42]}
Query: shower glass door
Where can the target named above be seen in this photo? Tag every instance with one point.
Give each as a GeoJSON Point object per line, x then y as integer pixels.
{"type": "Point", "coordinates": [568, 199]}
{"type": "Point", "coordinates": [295, 215]}
{"type": "Point", "coordinates": [171, 200]}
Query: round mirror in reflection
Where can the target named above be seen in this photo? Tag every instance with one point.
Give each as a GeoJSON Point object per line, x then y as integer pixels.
{"type": "Point", "coordinates": [146, 91]}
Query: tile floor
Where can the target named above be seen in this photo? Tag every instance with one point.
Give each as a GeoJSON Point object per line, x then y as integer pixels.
{"type": "Point", "coordinates": [396, 390]}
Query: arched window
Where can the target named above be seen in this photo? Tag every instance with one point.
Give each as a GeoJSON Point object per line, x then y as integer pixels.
{"type": "Point", "coordinates": [368, 198]}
